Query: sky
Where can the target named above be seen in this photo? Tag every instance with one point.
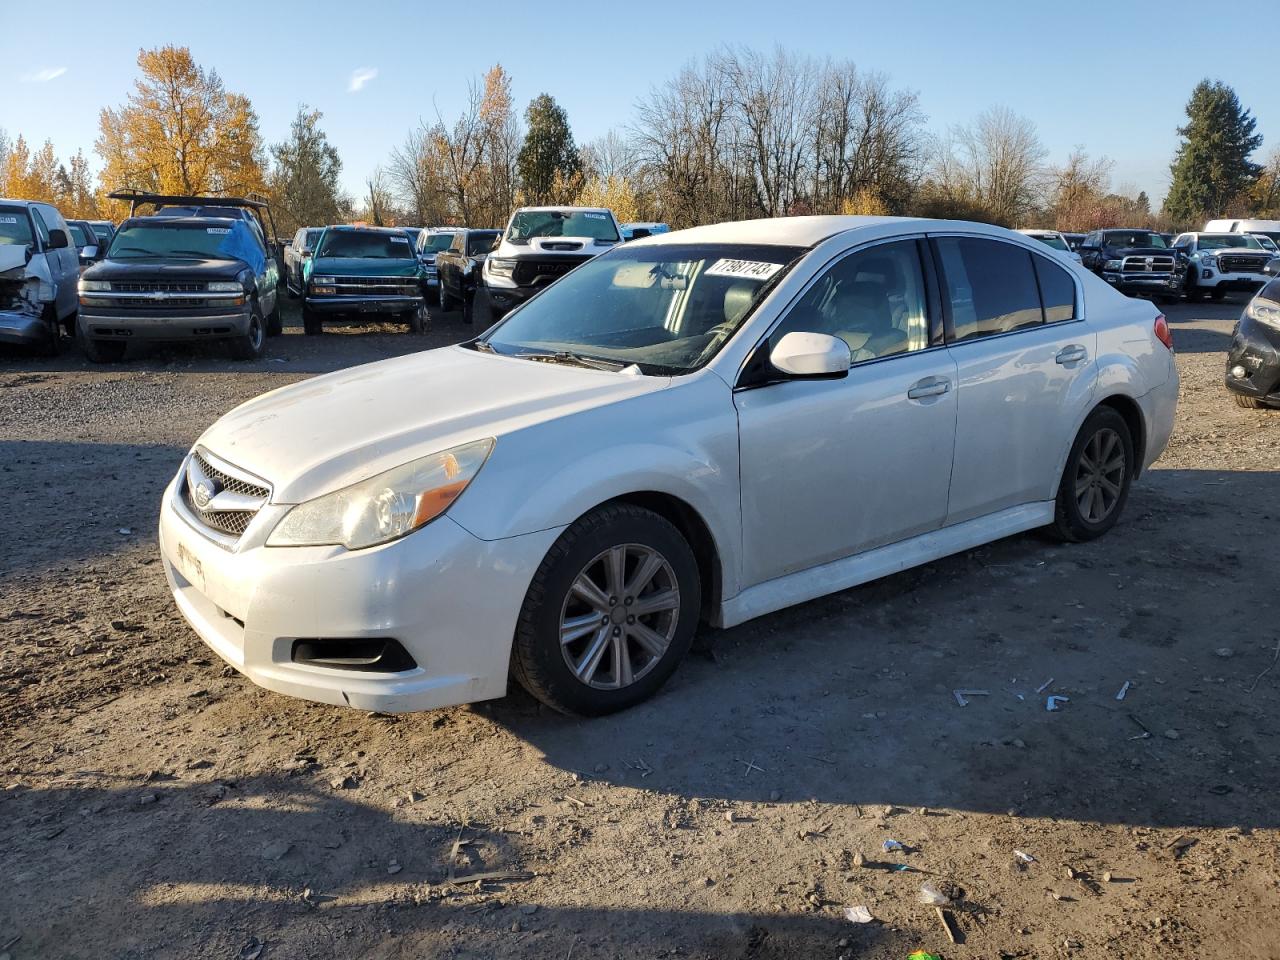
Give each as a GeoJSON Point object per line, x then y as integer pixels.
{"type": "Point", "coordinates": [1111, 77]}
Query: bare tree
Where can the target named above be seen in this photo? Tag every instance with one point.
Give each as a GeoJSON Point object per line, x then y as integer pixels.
{"type": "Point", "coordinates": [416, 170]}
{"type": "Point", "coordinates": [993, 165]}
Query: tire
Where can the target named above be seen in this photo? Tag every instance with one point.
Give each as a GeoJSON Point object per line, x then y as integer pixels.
{"type": "Point", "coordinates": [653, 643]}
{"type": "Point", "coordinates": [1249, 403]}
{"type": "Point", "coordinates": [1218, 294]}
{"type": "Point", "coordinates": [1167, 299]}
{"type": "Point", "coordinates": [249, 346]}
{"type": "Point", "coordinates": [468, 307]}
{"type": "Point", "coordinates": [417, 319]}
{"type": "Point", "coordinates": [70, 324]}
{"type": "Point", "coordinates": [1090, 500]}
{"type": "Point", "coordinates": [439, 298]}
{"type": "Point", "coordinates": [100, 351]}
{"type": "Point", "coordinates": [447, 303]}
{"type": "Point", "coordinates": [275, 322]}
{"type": "Point", "coordinates": [311, 324]}
{"type": "Point", "coordinates": [52, 345]}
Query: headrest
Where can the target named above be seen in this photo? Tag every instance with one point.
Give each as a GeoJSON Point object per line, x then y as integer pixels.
{"type": "Point", "coordinates": [738, 299]}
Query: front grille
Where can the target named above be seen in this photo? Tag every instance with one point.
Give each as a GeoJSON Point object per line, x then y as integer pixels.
{"type": "Point", "coordinates": [156, 286]}
{"type": "Point", "coordinates": [230, 522]}
{"type": "Point", "coordinates": [532, 271]}
{"type": "Point", "coordinates": [1141, 264]}
{"type": "Point", "coordinates": [375, 286]}
{"type": "Point", "coordinates": [1241, 263]}
{"type": "Point", "coordinates": [165, 304]}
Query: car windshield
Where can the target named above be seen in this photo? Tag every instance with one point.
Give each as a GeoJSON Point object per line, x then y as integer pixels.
{"type": "Point", "coordinates": [81, 237]}
{"type": "Point", "coordinates": [666, 308]}
{"type": "Point", "coordinates": [480, 243]}
{"type": "Point", "coordinates": [137, 241]}
{"type": "Point", "coordinates": [15, 226]}
{"type": "Point", "coordinates": [1052, 240]}
{"type": "Point", "coordinates": [1226, 241]}
{"type": "Point", "coordinates": [592, 224]}
{"type": "Point", "coordinates": [104, 231]}
{"type": "Point", "coordinates": [1135, 238]}
{"type": "Point", "coordinates": [365, 244]}
{"type": "Point", "coordinates": [1266, 242]}
{"type": "Point", "coordinates": [313, 237]}
{"type": "Point", "coordinates": [436, 242]}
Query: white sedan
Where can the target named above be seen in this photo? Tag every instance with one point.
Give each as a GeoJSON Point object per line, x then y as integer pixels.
{"type": "Point", "coordinates": [698, 427]}
{"type": "Point", "coordinates": [1055, 241]}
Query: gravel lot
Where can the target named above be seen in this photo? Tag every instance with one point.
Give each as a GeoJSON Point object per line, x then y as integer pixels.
{"type": "Point", "coordinates": [156, 805]}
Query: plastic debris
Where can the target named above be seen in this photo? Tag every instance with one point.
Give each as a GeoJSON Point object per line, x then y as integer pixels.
{"type": "Point", "coordinates": [1051, 704]}
{"type": "Point", "coordinates": [932, 896]}
{"type": "Point", "coordinates": [892, 845]}
{"type": "Point", "coordinates": [1123, 691]}
{"type": "Point", "coordinates": [858, 914]}
{"type": "Point", "coordinates": [924, 955]}
{"type": "Point", "coordinates": [961, 694]}
{"type": "Point", "coordinates": [1044, 686]}
{"type": "Point", "coordinates": [1024, 857]}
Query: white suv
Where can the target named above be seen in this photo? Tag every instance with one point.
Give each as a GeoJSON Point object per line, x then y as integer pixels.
{"type": "Point", "coordinates": [707, 425]}
{"type": "Point", "coordinates": [541, 245]}
{"type": "Point", "coordinates": [1218, 263]}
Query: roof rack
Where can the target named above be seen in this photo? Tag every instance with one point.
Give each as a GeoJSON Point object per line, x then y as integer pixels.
{"type": "Point", "coordinates": [255, 201]}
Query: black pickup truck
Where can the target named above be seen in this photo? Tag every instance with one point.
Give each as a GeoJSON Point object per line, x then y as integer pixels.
{"type": "Point", "coordinates": [458, 268]}
{"type": "Point", "coordinates": [1135, 261]}
{"type": "Point", "coordinates": [198, 268]}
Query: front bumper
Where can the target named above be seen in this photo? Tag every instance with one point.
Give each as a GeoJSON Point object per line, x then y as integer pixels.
{"type": "Point", "coordinates": [102, 323]}
{"type": "Point", "coordinates": [1216, 280]}
{"type": "Point", "coordinates": [22, 329]}
{"type": "Point", "coordinates": [1255, 348]}
{"type": "Point", "coordinates": [450, 599]}
{"type": "Point", "coordinates": [361, 306]}
{"type": "Point", "coordinates": [1166, 284]}
{"type": "Point", "coordinates": [502, 299]}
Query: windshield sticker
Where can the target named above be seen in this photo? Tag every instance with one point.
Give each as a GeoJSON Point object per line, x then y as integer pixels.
{"type": "Point", "coordinates": [596, 216]}
{"type": "Point", "coordinates": [217, 230]}
{"type": "Point", "coordinates": [8, 219]}
{"type": "Point", "coordinates": [399, 239]}
{"type": "Point", "coordinates": [748, 269]}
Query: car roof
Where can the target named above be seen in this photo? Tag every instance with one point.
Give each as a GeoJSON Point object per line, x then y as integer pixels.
{"type": "Point", "coordinates": [188, 221]}
{"type": "Point", "coordinates": [563, 206]}
{"type": "Point", "coordinates": [801, 231]}
{"type": "Point", "coordinates": [19, 203]}
{"type": "Point", "coordinates": [352, 228]}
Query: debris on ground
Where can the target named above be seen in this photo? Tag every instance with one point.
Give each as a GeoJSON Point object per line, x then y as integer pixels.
{"type": "Point", "coordinates": [1051, 704]}
{"type": "Point", "coordinates": [961, 695]}
{"type": "Point", "coordinates": [931, 896]}
{"type": "Point", "coordinates": [1024, 857]}
{"type": "Point", "coordinates": [252, 949]}
{"type": "Point", "coordinates": [858, 914]}
{"type": "Point", "coordinates": [1044, 686]}
{"type": "Point", "coordinates": [1123, 690]}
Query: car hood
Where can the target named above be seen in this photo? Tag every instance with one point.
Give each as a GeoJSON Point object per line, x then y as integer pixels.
{"type": "Point", "coordinates": [323, 434]}
{"type": "Point", "coordinates": [363, 267]}
{"type": "Point", "coordinates": [553, 246]}
{"type": "Point", "coordinates": [1119, 252]}
{"type": "Point", "coordinates": [162, 268]}
{"type": "Point", "coordinates": [1241, 252]}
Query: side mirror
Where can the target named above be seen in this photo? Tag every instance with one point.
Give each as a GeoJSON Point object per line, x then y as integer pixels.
{"type": "Point", "coordinates": [89, 252]}
{"type": "Point", "coordinates": [812, 355]}
{"type": "Point", "coordinates": [58, 239]}
{"type": "Point", "coordinates": [306, 254]}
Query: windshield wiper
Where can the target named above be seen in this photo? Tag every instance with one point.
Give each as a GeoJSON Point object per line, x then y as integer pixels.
{"type": "Point", "coordinates": [578, 359]}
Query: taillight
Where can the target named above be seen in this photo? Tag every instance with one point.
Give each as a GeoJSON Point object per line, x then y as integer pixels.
{"type": "Point", "coordinates": [1163, 333]}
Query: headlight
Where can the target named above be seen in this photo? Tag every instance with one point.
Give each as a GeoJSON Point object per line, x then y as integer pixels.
{"type": "Point", "coordinates": [323, 279]}
{"type": "Point", "coordinates": [1113, 265]}
{"type": "Point", "coordinates": [1209, 260]}
{"type": "Point", "coordinates": [1264, 311]}
{"type": "Point", "coordinates": [384, 507]}
{"type": "Point", "coordinates": [500, 268]}
{"type": "Point", "coordinates": [224, 286]}
{"type": "Point", "coordinates": [87, 286]}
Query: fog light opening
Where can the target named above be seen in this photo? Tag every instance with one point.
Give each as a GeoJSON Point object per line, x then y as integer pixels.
{"type": "Point", "coordinates": [377, 655]}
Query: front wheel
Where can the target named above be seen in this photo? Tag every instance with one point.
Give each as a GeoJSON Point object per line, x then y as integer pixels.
{"type": "Point", "coordinates": [1095, 482]}
{"type": "Point", "coordinates": [610, 613]}
{"type": "Point", "coordinates": [417, 319]}
{"type": "Point", "coordinates": [311, 323]}
{"type": "Point", "coordinates": [1249, 403]}
{"type": "Point", "coordinates": [1218, 293]}
{"type": "Point", "coordinates": [249, 346]}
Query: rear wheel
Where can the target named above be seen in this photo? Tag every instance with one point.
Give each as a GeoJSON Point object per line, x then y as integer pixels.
{"type": "Point", "coordinates": [447, 301]}
{"type": "Point", "coordinates": [610, 613]}
{"type": "Point", "coordinates": [311, 324]}
{"type": "Point", "coordinates": [275, 322]}
{"type": "Point", "coordinates": [1095, 482]}
{"type": "Point", "coordinates": [249, 346]}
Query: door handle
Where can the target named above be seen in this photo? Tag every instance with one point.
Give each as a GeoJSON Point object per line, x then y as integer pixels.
{"type": "Point", "coordinates": [929, 387]}
{"type": "Point", "coordinates": [1071, 354]}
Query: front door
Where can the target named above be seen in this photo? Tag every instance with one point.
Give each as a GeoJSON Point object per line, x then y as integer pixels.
{"type": "Point", "coordinates": [830, 468]}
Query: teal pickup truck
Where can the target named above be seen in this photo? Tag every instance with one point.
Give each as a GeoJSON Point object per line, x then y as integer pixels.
{"type": "Point", "coordinates": [363, 273]}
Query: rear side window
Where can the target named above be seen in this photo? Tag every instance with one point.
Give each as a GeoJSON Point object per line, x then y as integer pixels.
{"type": "Point", "coordinates": [991, 285]}
{"type": "Point", "coordinates": [1057, 291]}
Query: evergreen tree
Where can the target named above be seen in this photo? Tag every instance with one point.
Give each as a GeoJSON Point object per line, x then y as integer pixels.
{"type": "Point", "coordinates": [548, 158]}
{"type": "Point", "coordinates": [304, 182]}
{"type": "Point", "coordinates": [1212, 166]}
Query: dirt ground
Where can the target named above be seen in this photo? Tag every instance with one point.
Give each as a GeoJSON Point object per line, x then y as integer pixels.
{"type": "Point", "coordinates": [154, 804]}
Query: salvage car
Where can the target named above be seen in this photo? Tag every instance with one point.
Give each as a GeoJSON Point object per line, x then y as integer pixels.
{"type": "Point", "coordinates": [1135, 262]}
{"type": "Point", "coordinates": [1054, 240]}
{"type": "Point", "coordinates": [296, 253]}
{"type": "Point", "coordinates": [541, 245]}
{"type": "Point", "coordinates": [38, 271]}
{"type": "Point", "coordinates": [707, 425]}
{"type": "Point", "coordinates": [1221, 263]}
{"type": "Point", "coordinates": [1253, 358]}
{"type": "Point", "coordinates": [363, 273]}
{"type": "Point", "coordinates": [182, 275]}
{"type": "Point", "coordinates": [430, 242]}
{"type": "Point", "coordinates": [459, 269]}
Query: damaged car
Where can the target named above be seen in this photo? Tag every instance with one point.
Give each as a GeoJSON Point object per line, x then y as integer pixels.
{"type": "Point", "coordinates": [38, 272]}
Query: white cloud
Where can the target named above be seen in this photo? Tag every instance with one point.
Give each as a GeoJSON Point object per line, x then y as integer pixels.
{"type": "Point", "coordinates": [44, 76]}
{"type": "Point", "coordinates": [359, 77]}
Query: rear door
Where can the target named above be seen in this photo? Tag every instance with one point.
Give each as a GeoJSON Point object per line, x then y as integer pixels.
{"type": "Point", "coordinates": [1025, 364]}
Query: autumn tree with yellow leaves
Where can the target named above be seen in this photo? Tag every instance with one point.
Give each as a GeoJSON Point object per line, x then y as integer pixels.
{"type": "Point", "coordinates": [180, 131]}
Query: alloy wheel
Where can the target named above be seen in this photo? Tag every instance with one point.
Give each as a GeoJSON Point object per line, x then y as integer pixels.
{"type": "Point", "coordinates": [1100, 473]}
{"type": "Point", "coordinates": [620, 616]}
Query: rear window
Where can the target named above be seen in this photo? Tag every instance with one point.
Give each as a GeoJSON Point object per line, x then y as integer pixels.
{"type": "Point", "coordinates": [1057, 291]}
{"type": "Point", "coordinates": [15, 226]}
{"type": "Point", "coordinates": [435, 242]}
{"type": "Point", "coordinates": [589, 224]}
{"type": "Point", "coordinates": [365, 245]}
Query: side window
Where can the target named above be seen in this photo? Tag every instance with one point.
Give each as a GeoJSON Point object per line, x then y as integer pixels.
{"type": "Point", "coordinates": [991, 284]}
{"type": "Point", "coordinates": [41, 229]}
{"type": "Point", "coordinates": [873, 299]}
{"type": "Point", "coordinates": [1057, 291]}
{"type": "Point", "coordinates": [458, 239]}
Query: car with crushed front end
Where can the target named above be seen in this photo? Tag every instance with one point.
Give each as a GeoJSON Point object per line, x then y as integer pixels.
{"type": "Point", "coordinates": [699, 427]}
{"type": "Point", "coordinates": [361, 273]}
{"type": "Point", "coordinates": [1253, 357]}
{"type": "Point", "coordinates": [1136, 262]}
{"type": "Point", "coordinates": [38, 270]}
{"type": "Point", "coordinates": [1221, 263]}
{"type": "Point", "coordinates": [196, 270]}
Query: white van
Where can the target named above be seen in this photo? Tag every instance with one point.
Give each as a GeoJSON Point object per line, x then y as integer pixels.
{"type": "Point", "coordinates": [1268, 228]}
